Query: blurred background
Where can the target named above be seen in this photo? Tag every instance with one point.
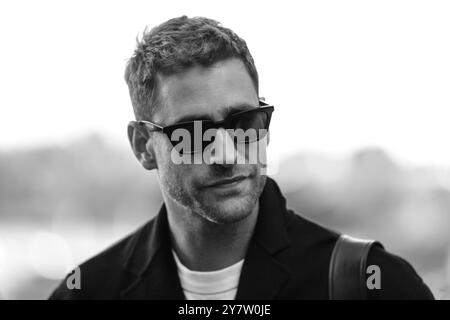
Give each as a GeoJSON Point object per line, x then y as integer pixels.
{"type": "Point", "coordinates": [361, 93]}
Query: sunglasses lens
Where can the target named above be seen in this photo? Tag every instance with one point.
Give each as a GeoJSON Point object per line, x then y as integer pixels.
{"type": "Point", "coordinates": [182, 137]}
{"type": "Point", "coordinates": [251, 126]}
{"type": "Point", "coordinates": [248, 127]}
{"type": "Point", "coordinates": [190, 137]}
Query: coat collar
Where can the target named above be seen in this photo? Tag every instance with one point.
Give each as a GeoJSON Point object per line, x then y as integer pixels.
{"type": "Point", "coordinates": [263, 275]}
{"type": "Point", "coordinates": [150, 261]}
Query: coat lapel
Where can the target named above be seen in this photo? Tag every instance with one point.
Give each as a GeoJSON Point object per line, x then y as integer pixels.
{"type": "Point", "coordinates": [160, 282]}
{"type": "Point", "coordinates": [263, 275]}
{"type": "Point", "coordinates": [152, 264]}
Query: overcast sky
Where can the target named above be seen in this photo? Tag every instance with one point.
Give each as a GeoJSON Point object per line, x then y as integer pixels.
{"type": "Point", "coordinates": [342, 74]}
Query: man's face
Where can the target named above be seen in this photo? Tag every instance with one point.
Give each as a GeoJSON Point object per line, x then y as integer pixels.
{"type": "Point", "coordinates": [207, 93]}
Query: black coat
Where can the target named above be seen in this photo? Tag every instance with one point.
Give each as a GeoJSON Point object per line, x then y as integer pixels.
{"type": "Point", "coordinates": [288, 258]}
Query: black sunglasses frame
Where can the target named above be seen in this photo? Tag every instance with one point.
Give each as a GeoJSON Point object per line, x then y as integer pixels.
{"type": "Point", "coordinates": [226, 123]}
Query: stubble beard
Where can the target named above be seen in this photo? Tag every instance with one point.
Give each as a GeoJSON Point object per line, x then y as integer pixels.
{"type": "Point", "coordinates": [228, 211]}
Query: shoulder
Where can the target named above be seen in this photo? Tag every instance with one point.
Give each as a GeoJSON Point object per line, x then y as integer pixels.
{"type": "Point", "coordinates": [301, 229]}
{"type": "Point", "coordinates": [309, 259]}
{"type": "Point", "coordinates": [104, 274]}
{"type": "Point", "coordinates": [398, 279]}
{"type": "Point", "coordinates": [310, 239]}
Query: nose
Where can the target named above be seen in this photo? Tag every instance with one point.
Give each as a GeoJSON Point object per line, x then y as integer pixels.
{"type": "Point", "coordinates": [224, 151]}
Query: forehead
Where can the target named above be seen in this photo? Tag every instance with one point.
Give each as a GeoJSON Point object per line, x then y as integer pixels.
{"type": "Point", "coordinates": [205, 91]}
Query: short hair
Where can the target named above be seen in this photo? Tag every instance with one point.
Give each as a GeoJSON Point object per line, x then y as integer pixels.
{"type": "Point", "coordinates": [174, 46]}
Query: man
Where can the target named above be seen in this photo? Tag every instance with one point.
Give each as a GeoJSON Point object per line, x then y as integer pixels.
{"type": "Point", "coordinates": [224, 231]}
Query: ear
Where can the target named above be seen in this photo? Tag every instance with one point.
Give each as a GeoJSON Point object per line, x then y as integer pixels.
{"type": "Point", "coordinates": [140, 143]}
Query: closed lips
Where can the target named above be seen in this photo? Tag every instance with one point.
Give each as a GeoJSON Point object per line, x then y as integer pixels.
{"type": "Point", "coordinates": [227, 181]}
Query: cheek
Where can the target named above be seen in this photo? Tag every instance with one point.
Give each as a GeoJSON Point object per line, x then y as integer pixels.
{"type": "Point", "coordinates": [167, 169]}
{"type": "Point", "coordinates": [186, 176]}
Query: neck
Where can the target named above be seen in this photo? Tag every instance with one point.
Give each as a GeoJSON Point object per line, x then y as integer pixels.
{"type": "Point", "coordinates": [203, 245]}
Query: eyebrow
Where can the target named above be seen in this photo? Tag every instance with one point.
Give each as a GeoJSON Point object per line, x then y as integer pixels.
{"type": "Point", "coordinates": [228, 110]}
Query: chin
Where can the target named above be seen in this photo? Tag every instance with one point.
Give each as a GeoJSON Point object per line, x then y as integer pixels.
{"type": "Point", "coordinates": [229, 211]}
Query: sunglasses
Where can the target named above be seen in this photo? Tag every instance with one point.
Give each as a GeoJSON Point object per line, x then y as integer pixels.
{"type": "Point", "coordinates": [246, 127]}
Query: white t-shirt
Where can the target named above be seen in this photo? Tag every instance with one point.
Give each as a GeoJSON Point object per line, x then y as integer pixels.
{"type": "Point", "coordinates": [211, 285]}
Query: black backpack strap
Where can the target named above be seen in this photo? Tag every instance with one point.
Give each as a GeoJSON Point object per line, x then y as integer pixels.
{"type": "Point", "coordinates": [347, 273]}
